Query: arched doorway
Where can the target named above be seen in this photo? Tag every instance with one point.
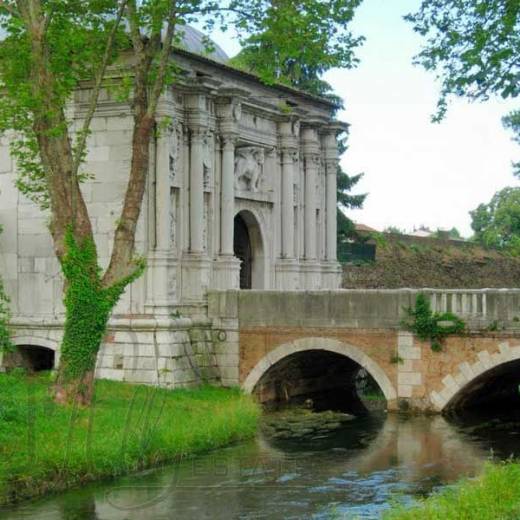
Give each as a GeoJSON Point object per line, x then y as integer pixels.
{"type": "Point", "coordinates": [248, 248]}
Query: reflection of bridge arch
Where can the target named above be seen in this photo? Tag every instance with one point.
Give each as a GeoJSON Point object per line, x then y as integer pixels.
{"type": "Point", "coordinates": [489, 376]}
{"type": "Point", "coordinates": [324, 344]}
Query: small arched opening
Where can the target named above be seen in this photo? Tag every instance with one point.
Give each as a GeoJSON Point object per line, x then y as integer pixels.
{"type": "Point", "coordinates": [248, 247]}
{"type": "Point", "coordinates": [32, 358]}
{"type": "Point", "coordinates": [321, 380]}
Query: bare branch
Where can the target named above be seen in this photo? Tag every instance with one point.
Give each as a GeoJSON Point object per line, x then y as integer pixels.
{"type": "Point", "coordinates": [80, 147]}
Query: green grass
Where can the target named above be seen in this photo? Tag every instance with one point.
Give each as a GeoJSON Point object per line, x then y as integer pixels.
{"type": "Point", "coordinates": [46, 448]}
{"type": "Point", "coordinates": [494, 495]}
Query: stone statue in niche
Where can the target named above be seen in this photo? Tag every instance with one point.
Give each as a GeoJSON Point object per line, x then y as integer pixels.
{"type": "Point", "coordinates": [249, 168]}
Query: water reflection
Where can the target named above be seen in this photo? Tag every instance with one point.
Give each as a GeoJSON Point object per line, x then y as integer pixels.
{"type": "Point", "coordinates": [355, 472]}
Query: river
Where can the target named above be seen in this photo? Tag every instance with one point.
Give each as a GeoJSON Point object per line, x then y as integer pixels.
{"type": "Point", "coordinates": [355, 472]}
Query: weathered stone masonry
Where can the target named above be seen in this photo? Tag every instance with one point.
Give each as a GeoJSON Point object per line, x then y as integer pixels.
{"type": "Point", "coordinates": [365, 326]}
{"type": "Point", "coordinates": [231, 151]}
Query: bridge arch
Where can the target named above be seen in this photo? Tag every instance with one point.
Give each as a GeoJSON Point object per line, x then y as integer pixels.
{"type": "Point", "coordinates": [323, 344]}
{"type": "Point", "coordinates": [481, 380]}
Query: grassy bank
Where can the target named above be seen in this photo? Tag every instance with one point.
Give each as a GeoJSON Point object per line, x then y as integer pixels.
{"type": "Point", "coordinates": [45, 448]}
{"type": "Point", "coordinates": [495, 495]}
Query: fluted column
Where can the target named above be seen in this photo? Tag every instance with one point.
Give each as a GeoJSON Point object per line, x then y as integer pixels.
{"type": "Point", "coordinates": [288, 156]}
{"type": "Point", "coordinates": [227, 199]}
{"type": "Point", "coordinates": [197, 191]}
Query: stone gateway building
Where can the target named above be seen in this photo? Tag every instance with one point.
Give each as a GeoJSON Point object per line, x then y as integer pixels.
{"type": "Point", "coordinates": [241, 195]}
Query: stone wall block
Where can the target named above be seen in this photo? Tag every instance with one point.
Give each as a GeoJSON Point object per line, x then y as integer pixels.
{"type": "Point", "coordinates": [409, 352]}
{"type": "Point", "coordinates": [409, 378]}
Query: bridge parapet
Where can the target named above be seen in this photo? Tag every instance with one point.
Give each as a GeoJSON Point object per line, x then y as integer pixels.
{"type": "Point", "coordinates": [259, 329]}
{"type": "Point", "coordinates": [367, 309]}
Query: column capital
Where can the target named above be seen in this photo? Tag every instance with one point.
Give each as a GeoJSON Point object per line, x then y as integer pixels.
{"type": "Point", "coordinates": [289, 132]}
{"type": "Point", "coordinates": [228, 140]}
{"type": "Point", "coordinates": [331, 165]}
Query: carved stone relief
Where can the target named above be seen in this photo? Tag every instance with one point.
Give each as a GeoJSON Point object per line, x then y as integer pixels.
{"type": "Point", "coordinates": [175, 156]}
{"type": "Point", "coordinates": [249, 168]}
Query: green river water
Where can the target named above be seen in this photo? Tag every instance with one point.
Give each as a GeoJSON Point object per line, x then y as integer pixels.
{"type": "Point", "coordinates": [354, 472]}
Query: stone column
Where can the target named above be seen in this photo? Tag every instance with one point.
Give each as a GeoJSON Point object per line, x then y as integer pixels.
{"type": "Point", "coordinates": [196, 266]}
{"type": "Point", "coordinates": [197, 190]}
{"type": "Point", "coordinates": [330, 268]}
{"type": "Point", "coordinates": [163, 193]}
{"type": "Point", "coordinates": [227, 199]}
{"type": "Point", "coordinates": [161, 273]}
{"type": "Point", "coordinates": [288, 157]}
{"type": "Point", "coordinates": [287, 267]}
{"type": "Point", "coordinates": [229, 113]}
{"type": "Point", "coordinates": [311, 153]}
{"type": "Point", "coordinates": [331, 252]}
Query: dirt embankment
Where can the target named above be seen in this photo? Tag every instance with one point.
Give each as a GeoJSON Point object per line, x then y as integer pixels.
{"type": "Point", "coordinates": [433, 264]}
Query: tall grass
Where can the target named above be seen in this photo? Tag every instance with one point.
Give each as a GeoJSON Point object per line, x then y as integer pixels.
{"type": "Point", "coordinates": [45, 447]}
{"type": "Point", "coordinates": [494, 495]}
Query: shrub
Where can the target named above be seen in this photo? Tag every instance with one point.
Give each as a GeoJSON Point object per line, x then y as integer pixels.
{"type": "Point", "coordinates": [431, 326]}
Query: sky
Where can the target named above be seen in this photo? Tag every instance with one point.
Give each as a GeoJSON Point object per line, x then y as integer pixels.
{"type": "Point", "coordinates": [415, 172]}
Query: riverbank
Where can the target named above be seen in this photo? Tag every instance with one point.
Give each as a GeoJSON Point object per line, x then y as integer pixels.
{"type": "Point", "coordinates": [46, 448]}
{"type": "Point", "coordinates": [494, 495]}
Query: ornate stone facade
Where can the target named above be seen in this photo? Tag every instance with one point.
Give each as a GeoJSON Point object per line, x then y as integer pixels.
{"type": "Point", "coordinates": [226, 146]}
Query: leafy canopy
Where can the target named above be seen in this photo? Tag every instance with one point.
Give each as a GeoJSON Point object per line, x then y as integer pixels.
{"type": "Point", "coordinates": [296, 42]}
{"type": "Point", "coordinates": [474, 45]}
{"type": "Point", "coordinates": [497, 224]}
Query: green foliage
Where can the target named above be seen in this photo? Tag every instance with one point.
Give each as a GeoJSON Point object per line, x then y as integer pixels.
{"type": "Point", "coordinates": [5, 315]}
{"type": "Point", "coordinates": [88, 305]}
{"type": "Point", "coordinates": [474, 46]}
{"type": "Point", "coordinates": [493, 495]}
{"type": "Point", "coordinates": [450, 234]}
{"type": "Point", "coordinates": [45, 447]}
{"type": "Point", "coordinates": [395, 359]}
{"type": "Point", "coordinates": [431, 326]}
{"type": "Point", "coordinates": [296, 42]}
{"type": "Point", "coordinates": [497, 224]}
{"type": "Point", "coordinates": [394, 230]}
{"type": "Point", "coordinates": [346, 200]}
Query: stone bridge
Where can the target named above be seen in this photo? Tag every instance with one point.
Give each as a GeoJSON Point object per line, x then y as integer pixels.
{"type": "Point", "coordinates": [293, 344]}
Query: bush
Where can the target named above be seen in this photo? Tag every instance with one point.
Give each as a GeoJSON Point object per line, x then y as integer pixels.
{"type": "Point", "coordinates": [431, 326]}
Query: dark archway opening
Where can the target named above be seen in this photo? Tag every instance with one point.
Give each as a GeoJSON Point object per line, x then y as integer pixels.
{"type": "Point", "coordinates": [496, 391]}
{"type": "Point", "coordinates": [320, 380]}
{"type": "Point", "coordinates": [30, 357]}
{"type": "Point", "coordinates": [244, 252]}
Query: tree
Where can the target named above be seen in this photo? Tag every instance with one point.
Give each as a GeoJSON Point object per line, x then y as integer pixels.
{"type": "Point", "coordinates": [52, 48]}
{"type": "Point", "coordinates": [474, 46]}
{"type": "Point", "coordinates": [346, 201]}
{"type": "Point", "coordinates": [266, 55]}
{"type": "Point", "coordinates": [497, 224]}
{"type": "Point", "coordinates": [450, 234]}
{"type": "Point", "coordinates": [394, 230]}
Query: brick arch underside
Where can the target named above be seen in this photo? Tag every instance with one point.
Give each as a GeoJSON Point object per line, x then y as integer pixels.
{"type": "Point", "coordinates": [327, 345]}
{"type": "Point", "coordinates": [471, 376]}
